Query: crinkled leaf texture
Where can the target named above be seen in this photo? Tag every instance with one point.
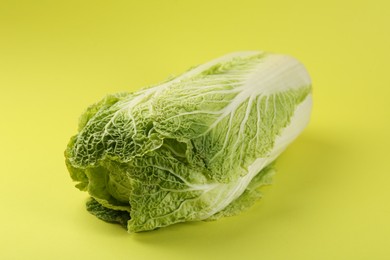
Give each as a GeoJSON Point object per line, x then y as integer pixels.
{"type": "Point", "coordinates": [196, 147]}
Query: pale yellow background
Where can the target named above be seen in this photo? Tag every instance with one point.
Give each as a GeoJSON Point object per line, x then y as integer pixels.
{"type": "Point", "coordinates": [331, 196]}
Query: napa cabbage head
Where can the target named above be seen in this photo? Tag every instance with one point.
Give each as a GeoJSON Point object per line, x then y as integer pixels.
{"type": "Point", "coordinates": [196, 147]}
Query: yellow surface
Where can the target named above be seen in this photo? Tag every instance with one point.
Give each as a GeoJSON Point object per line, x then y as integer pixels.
{"type": "Point", "coordinates": [331, 196]}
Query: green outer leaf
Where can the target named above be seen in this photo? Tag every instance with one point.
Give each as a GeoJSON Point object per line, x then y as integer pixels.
{"type": "Point", "coordinates": [106, 214]}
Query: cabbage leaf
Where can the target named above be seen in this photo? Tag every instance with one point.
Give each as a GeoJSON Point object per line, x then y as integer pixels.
{"type": "Point", "coordinates": [196, 147]}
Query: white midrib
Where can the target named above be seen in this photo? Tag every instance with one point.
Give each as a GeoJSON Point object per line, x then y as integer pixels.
{"type": "Point", "coordinates": [274, 73]}
{"type": "Point", "coordinates": [298, 122]}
